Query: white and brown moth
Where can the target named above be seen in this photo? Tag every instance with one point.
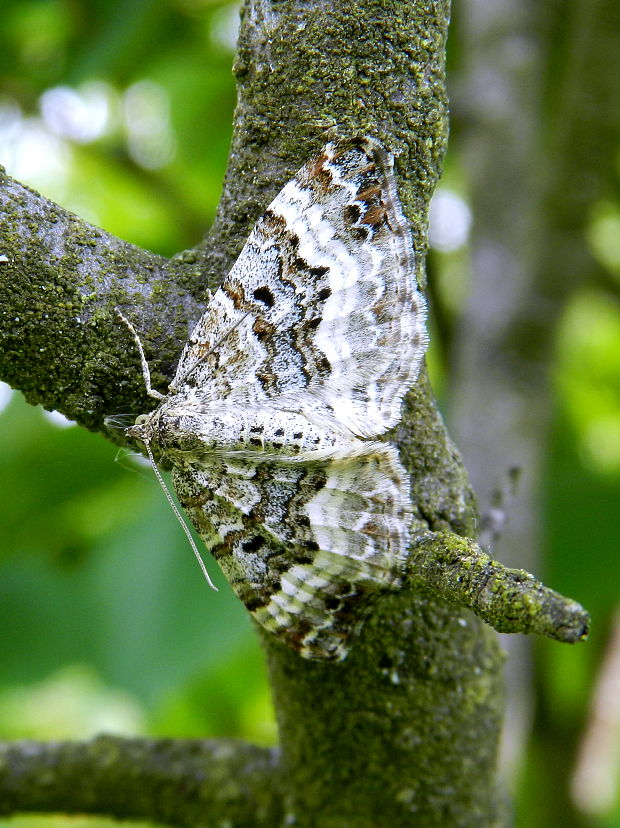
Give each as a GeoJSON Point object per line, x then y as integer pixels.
{"type": "Point", "coordinates": [300, 360]}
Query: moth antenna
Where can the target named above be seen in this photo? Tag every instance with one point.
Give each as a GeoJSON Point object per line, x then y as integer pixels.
{"type": "Point", "coordinates": [179, 517]}
{"type": "Point", "coordinates": [152, 392]}
{"type": "Point", "coordinates": [202, 357]}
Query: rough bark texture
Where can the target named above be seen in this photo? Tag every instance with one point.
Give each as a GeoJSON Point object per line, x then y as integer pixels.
{"type": "Point", "coordinates": [404, 732]}
{"type": "Point", "coordinates": [179, 782]}
{"type": "Point", "coordinates": [61, 342]}
{"type": "Point", "coordinates": [510, 600]}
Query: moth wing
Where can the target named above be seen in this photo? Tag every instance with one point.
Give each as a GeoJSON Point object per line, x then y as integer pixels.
{"type": "Point", "coordinates": [306, 546]}
{"type": "Point", "coordinates": [321, 303]}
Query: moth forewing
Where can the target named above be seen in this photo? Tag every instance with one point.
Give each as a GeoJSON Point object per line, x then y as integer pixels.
{"type": "Point", "coordinates": [301, 358]}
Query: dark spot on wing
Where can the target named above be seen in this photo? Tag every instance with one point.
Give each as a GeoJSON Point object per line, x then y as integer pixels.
{"type": "Point", "coordinates": [352, 213]}
{"type": "Point", "coordinates": [375, 215]}
{"type": "Point", "coordinates": [369, 193]}
{"type": "Point", "coordinates": [254, 544]}
{"type": "Point", "coordinates": [201, 349]}
{"type": "Point", "coordinates": [276, 221]}
{"type": "Point", "coordinates": [371, 527]}
{"type": "Point", "coordinates": [319, 270]}
{"type": "Point", "coordinates": [318, 171]}
{"type": "Point", "coordinates": [266, 378]}
{"type": "Point", "coordinates": [253, 601]}
{"type": "Point", "coordinates": [304, 559]}
{"type": "Point", "coordinates": [324, 365]}
{"type": "Point", "coordinates": [235, 291]}
{"type": "Point", "coordinates": [263, 329]}
{"type": "Point", "coordinates": [360, 233]}
{"type": "Point", "coordinates": [324, 293]}
{"type": "Point", "coordinates": [264, 295]}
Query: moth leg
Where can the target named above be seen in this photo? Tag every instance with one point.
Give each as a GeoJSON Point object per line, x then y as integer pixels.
{"type": "Point", "coordinates": [152, 392]}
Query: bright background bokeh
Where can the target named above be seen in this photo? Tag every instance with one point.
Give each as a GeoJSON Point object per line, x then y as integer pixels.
{"type": "Point", "coordinates": [122, 113]}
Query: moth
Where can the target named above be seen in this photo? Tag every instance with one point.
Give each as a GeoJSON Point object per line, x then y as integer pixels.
{"type": "Point", "coordinates": [299, 363]}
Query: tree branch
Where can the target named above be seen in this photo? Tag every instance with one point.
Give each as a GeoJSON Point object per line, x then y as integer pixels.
{"type": "Point", "coordinates": [60, 342]}
{"type": "Point", "coordinates": [510, 600]}
{"type": "Point", "coordinates": [179, 782]}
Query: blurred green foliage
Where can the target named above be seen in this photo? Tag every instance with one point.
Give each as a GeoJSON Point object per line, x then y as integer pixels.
{"type": "Point", "coordinates": [123, 112]}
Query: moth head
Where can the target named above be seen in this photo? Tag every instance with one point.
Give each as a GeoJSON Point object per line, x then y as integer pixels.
{"type": "Point", "coordinates": [139, 427]}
